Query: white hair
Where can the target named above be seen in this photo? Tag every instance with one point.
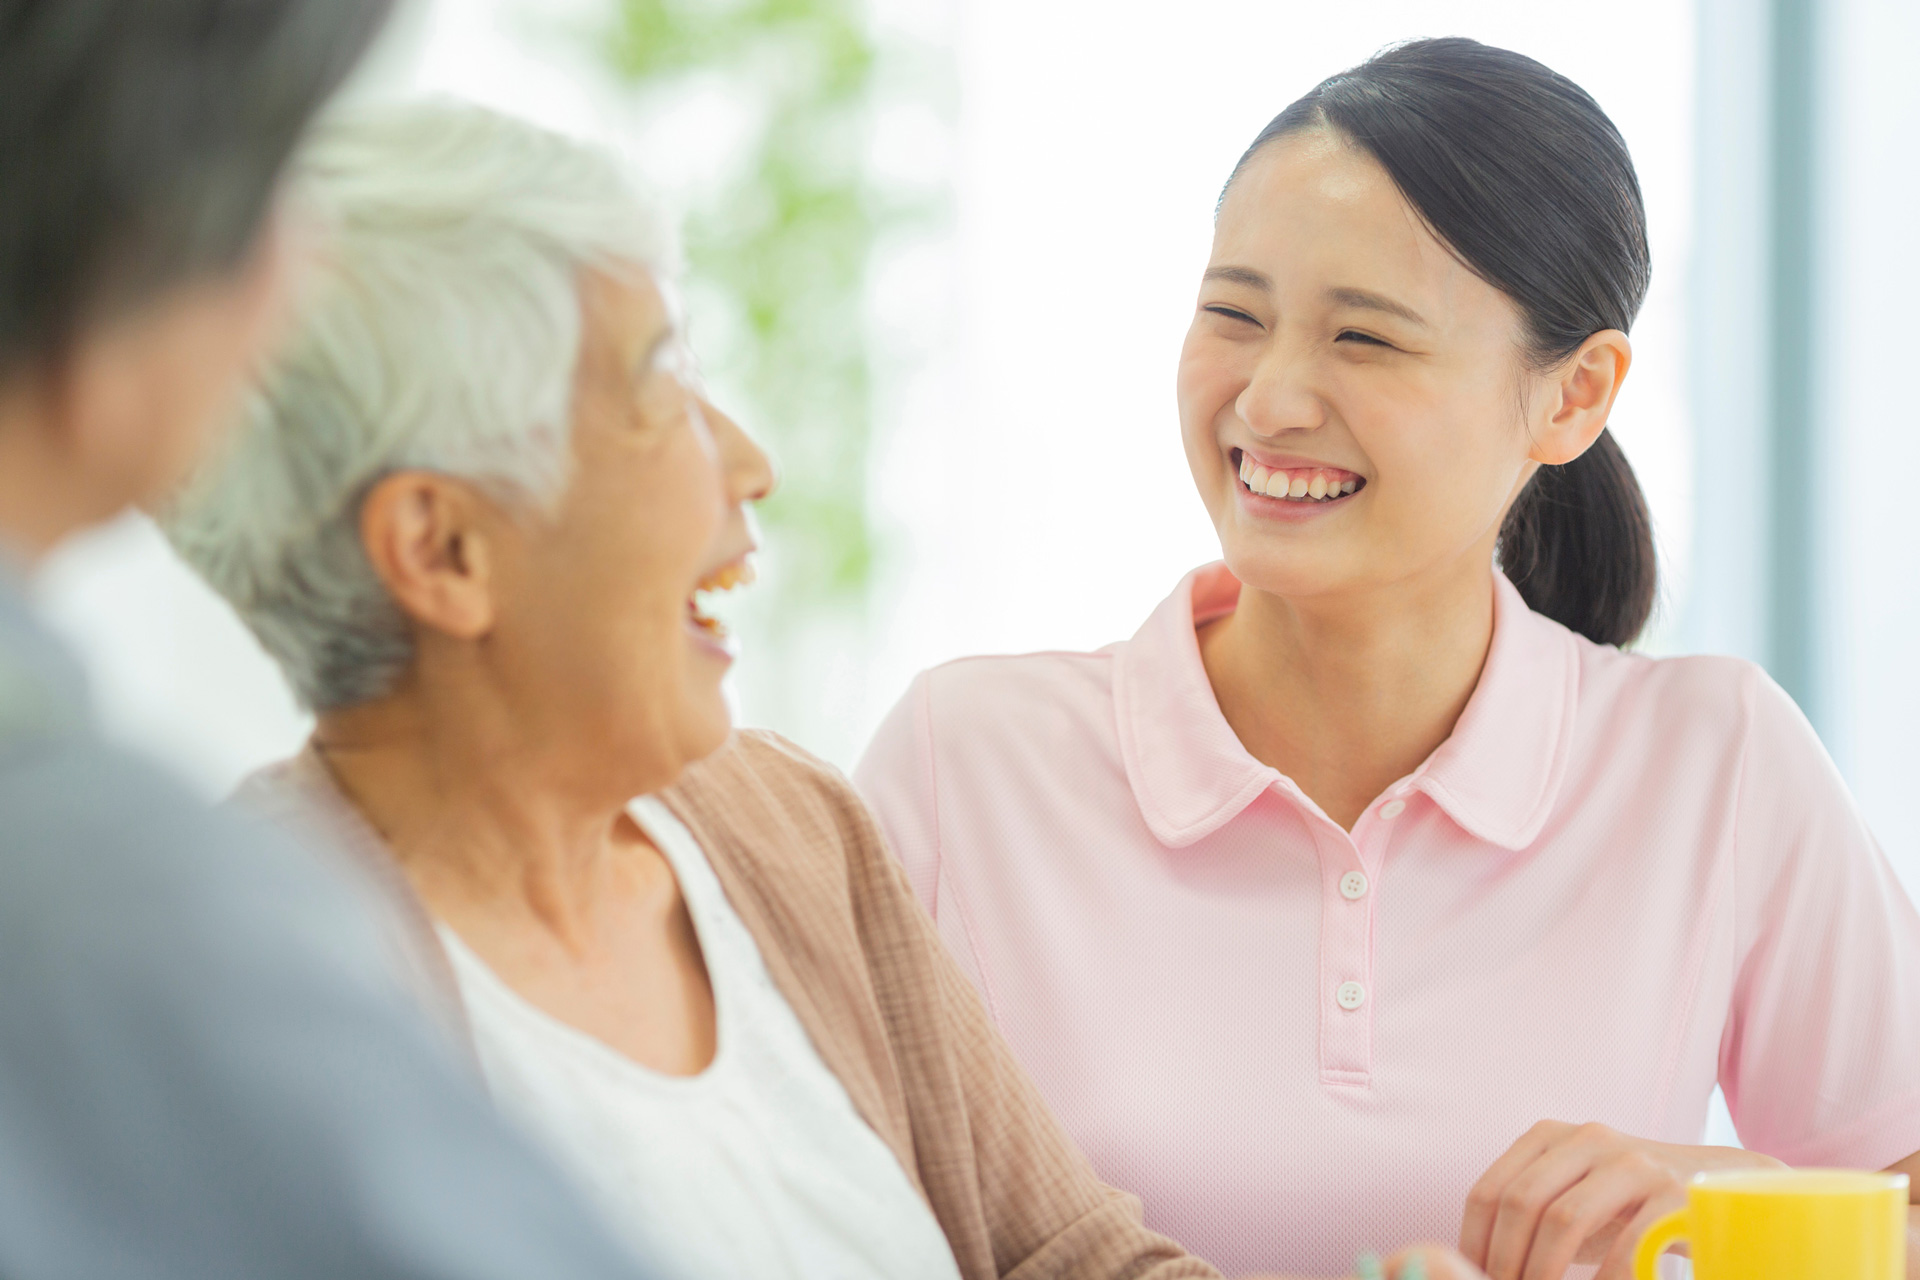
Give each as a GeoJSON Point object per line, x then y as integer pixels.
{"type": "Point", "coordinates": [440, 332]}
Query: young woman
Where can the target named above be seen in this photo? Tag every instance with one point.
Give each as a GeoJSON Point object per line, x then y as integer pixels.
{"type": "Point", "coordinates": [1327, 908]}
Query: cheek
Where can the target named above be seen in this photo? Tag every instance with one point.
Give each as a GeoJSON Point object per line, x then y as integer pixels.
{"type": "Point", "coordinates": [1206, 388]}
{"type": "Point", "coordinates": [624, 567]}
{"type": "Point", "coordinates": [163, 420]}
{"type": "Point", "coordinates": [1204, 385]}
{"type": "Point", "coordinates": [1446, 464]}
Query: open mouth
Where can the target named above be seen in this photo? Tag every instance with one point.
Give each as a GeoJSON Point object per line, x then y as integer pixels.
{"type": "Point", "coordinates": [738, 573]}
{"type": "Point", "coordinates": [1306, 485]}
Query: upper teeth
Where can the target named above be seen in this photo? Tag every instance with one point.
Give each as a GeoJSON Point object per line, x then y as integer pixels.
{"type": "Point", "coordinates": [728, 577]}
{"type": "Point", "coordinates": [1318, 483]}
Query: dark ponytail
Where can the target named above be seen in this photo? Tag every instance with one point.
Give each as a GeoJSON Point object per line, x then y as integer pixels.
{"type": "Point", "coordinates": [1521, 174]}
{"type": "Point", "coordinates": [1579, 544]}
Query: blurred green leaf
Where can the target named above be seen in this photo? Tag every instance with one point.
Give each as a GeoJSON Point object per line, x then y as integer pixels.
{"type": "Point", "coordinates": [782, 247]}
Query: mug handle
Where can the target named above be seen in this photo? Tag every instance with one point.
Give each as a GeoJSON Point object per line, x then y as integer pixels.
{"type": "Point", "coordinates": [1665, 1231]}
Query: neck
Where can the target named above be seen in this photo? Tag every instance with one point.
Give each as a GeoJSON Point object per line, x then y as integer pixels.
{"type": "Point", "coordinates": [1346, 695]}
{"type": "Point", "coordinates": [44, 496]}
{"type": "Point", "coordinates": [481, 820]}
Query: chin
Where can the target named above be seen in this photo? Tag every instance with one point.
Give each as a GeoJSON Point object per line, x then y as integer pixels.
{"type": "Point", "coordinates": [705, 727]}
{"type": "Point", "coordinates": [1280, 570]}
{"type": "Point", "coordinates": [665, 732]}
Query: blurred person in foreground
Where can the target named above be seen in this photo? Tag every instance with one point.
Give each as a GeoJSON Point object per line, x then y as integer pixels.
{"type": "Point", "coordinates": [208, 1065]}
{"type": "Point", "coordinates": [471, 514]}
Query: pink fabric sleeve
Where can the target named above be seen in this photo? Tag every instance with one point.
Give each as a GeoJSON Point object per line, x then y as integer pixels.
{"type": "Point", "coordinates": [895, 778]}
{"type": "Point", "coordinates": [1820, 1060]}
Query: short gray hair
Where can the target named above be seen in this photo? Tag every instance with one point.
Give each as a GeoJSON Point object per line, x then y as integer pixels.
{"type": "Point", "coordinates": [441, 333]}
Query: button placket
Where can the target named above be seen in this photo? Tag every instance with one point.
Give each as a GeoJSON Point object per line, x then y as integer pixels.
{"type": "Point", "coordinates": [1346, 958]}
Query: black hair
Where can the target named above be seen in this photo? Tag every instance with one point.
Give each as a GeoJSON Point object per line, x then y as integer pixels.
{"type": "Point", "coordinates": [1522, 175]}
{"type": "Point", "coordinates": [141, 142]}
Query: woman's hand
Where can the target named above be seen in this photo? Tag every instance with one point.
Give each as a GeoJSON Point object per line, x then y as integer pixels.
{"type": "Point", "coordinates": [1580, 1193]}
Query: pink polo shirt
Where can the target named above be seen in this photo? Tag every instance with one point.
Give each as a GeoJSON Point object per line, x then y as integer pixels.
{"type": "Point", "coordinates": [1621, 880]}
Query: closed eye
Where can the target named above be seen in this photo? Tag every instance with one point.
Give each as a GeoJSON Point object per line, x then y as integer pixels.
{"type": "Point", "coordinates": [1354, 335]}
{"type": "Point", "coordinates": [1230, 313]}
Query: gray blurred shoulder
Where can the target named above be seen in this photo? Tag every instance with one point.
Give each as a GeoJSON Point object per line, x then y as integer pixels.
{"type": "Point", "coordinates": [99, 848]}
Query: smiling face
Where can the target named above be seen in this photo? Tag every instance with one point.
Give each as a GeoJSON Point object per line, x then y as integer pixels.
{"type": "Point", "coordinates": [595, 605]}
{"type": "Point", "coordinates": [1354, 401]}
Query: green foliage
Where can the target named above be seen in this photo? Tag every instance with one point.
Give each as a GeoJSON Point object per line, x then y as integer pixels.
{"type": "Point", "coordinates": [777, 255]}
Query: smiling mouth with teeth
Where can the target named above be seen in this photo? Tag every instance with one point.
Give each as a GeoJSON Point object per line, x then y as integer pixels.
{"type": "Point", "coordinates": [1299, 484]}
{"type": "Point", "coordinates": [724, 579]}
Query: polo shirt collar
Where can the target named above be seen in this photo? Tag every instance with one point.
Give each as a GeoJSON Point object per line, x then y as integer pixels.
{"type": "Point", "coordinates": [1497, 775]}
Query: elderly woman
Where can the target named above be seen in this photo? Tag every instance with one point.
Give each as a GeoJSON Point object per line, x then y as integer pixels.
{"type": "Point", "coordinates": [471, 517]}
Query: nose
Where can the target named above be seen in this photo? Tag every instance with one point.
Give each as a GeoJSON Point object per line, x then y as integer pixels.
{"type": "Point", "coordinates": [1280, 396]}
{"type": "Point", "coordinates": [747, 470]}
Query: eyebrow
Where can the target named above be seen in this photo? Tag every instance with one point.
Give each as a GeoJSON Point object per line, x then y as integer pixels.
{"type": "Point", "coordinates": [1239, 275]}
{"type": "Point", "coordinates": [1364, 299]}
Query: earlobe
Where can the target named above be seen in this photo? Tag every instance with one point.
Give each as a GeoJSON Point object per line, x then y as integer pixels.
{"type": "Point", "coordinates": [425, 545]}
{"type": "Point", "coordinates": [1582, 394]}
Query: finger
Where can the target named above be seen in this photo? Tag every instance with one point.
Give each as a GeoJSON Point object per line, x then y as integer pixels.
{"type": "Point", "coordinates": [1483, 1201]}
{"type": "Point", "coordinates": [1525, 1202]}
{"type": "Point", "coordinates": [1618, 1264]}
{"type": "Point", "coordinates": [1618, 1187]}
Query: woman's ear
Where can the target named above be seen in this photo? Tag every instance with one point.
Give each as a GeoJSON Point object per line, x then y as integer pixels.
{"type": "Point", "coordinates": [1579, 398]}
{"type": "Point", "coordinates": [426, 536]}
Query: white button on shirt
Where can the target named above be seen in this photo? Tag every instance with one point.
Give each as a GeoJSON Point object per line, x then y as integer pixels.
{"type": "Point", "coordinates": [1392, 809]}
{"type": "Point", "coordinates": [1350, 995]}
{"type": "Point", "coordinates": [1353, 885]}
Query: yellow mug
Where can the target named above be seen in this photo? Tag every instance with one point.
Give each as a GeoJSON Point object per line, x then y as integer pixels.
{"type": "Point", "coordinates": [1787, 1224]}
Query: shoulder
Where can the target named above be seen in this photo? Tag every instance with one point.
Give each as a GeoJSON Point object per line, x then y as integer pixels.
{"type": "Point", "coordinates": [765, 777]}
{"type": "Point", "coordinates": [776, 802]}
{"type": "Point", "coordinates": [103, 853]}
{"type": "Point", "coordinates": [1705, 691]}
{"type": "Point", "coordinates": [1783, 777]}
{"type": "Point", "coordinates": [1000, 681]}
{"type": "Point", "coordinates": [1704, 722]}
{"type": "Point", "coordinates": [994, 726]}
{"type": "Point", "coordinates": [979, 704]}
{"type": "Point", "coordinates": [92, 817]}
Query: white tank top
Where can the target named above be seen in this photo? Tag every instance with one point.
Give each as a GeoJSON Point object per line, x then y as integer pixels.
{"type": "Point", "coordinates": [758, 1166]}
